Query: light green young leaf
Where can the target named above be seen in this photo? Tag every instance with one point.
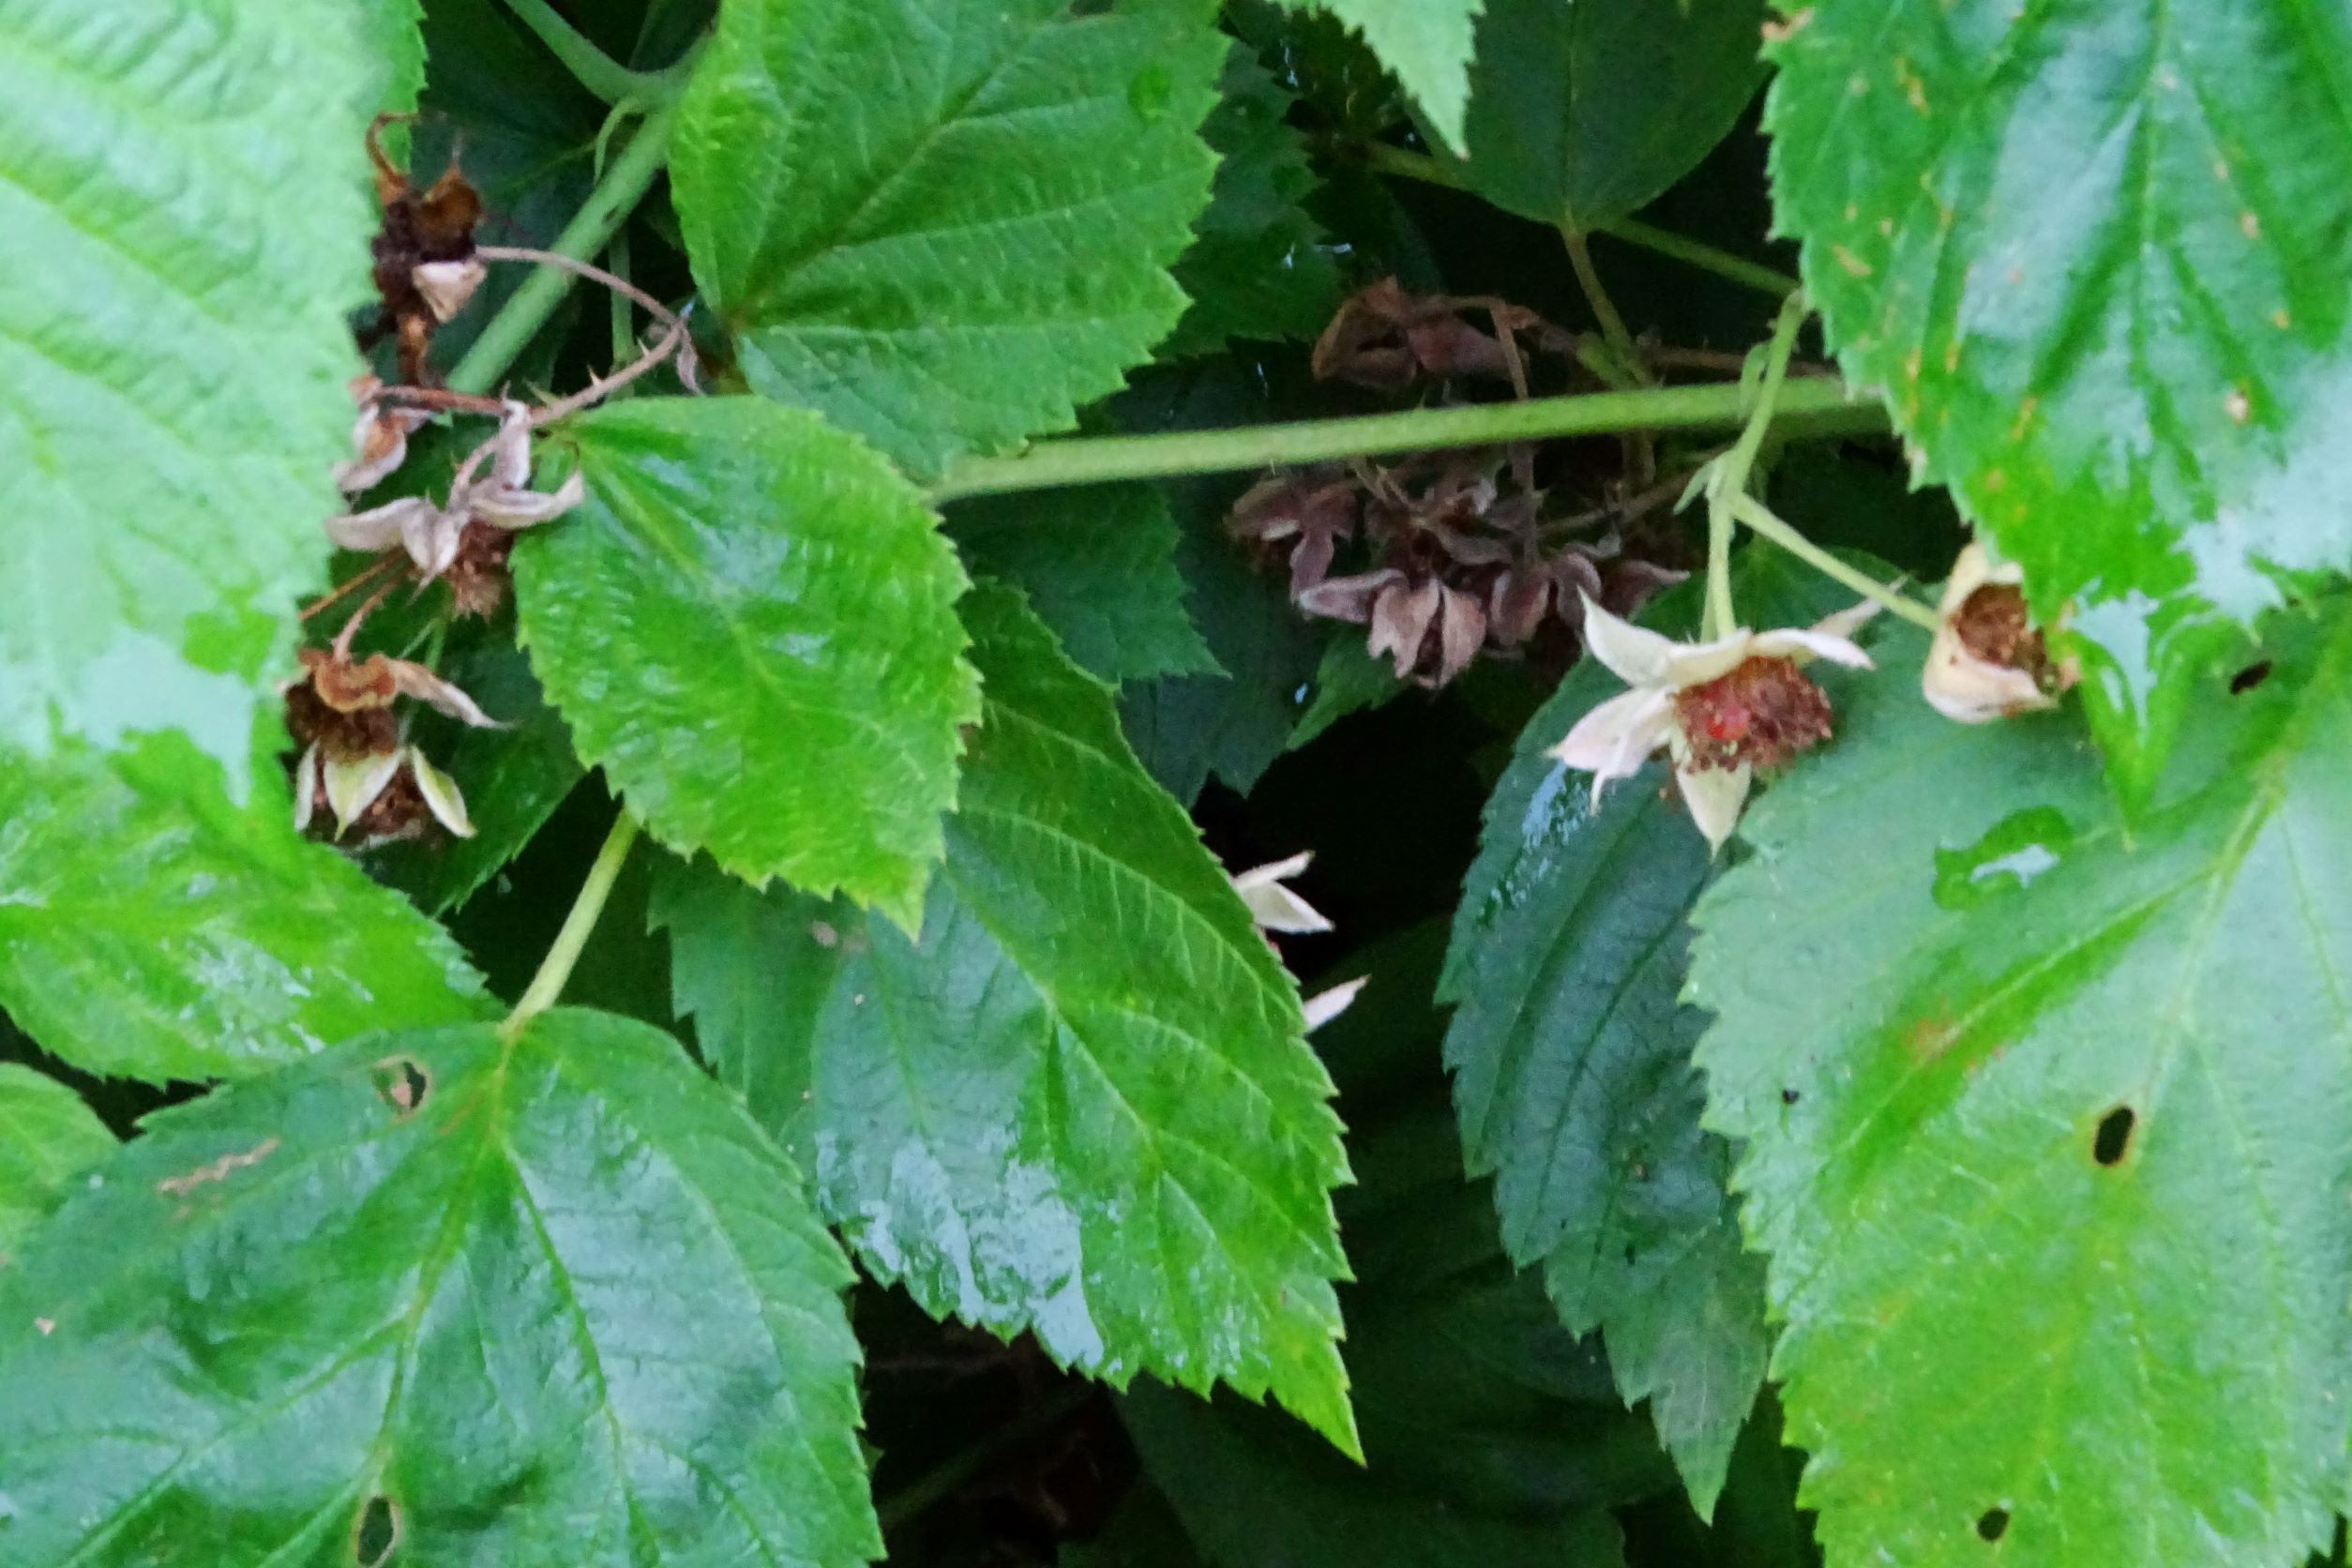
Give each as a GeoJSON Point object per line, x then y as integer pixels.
{"type": "Point", "coordinates": [1583, 111]}
{"type": "Point", "coordinates": [1098, 565]}
{"type": "Point", "coordinates": [945, 223]}
{"type": "Point", "coordinates": [1260, 269]}
{"type": "Point", "coordinates": [395, 39]}
{"type": "Point", "coordinates": [1082, 1095]}
{"type": "Point", "coordinates": [183, 221]}
{"type": "Point", "coordinates": [1427, 44]}
{"type": "Point", "coordinates": [2094, 260]}
{"type": "Point", "coordinates": [47, 1138]}
{"type": "Point", "coordinates": [554, 1302]}
{"type": "Point", "coordinates": [751, 625]}
{"type": "Point", "coordinates": [150, 930]}
{"type": "Point", "coordinates": [2042, 1122]}
{"type": "Point", "coordinates": [1572, 1056]}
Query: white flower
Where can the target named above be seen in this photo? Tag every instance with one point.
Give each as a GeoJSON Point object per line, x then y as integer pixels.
{"type": "Point", "coordinates": [1719, 709]}
{"type": "Point", "coordinates": [348, 786]}
{"type": "Point", "coordinates": [445, 286]}
{"type": "Point", "coordinates": [1275, 907]}
{"type": "Point", "coordinates": [378, 438]}
{"type": "Point", "coordinates": [1984, 613]}
{"type": "Point", "coordinates": [432, 534]}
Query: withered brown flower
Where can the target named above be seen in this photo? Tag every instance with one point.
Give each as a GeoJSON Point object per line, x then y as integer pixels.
{"type": "Point", "coordinates": [354, 763]}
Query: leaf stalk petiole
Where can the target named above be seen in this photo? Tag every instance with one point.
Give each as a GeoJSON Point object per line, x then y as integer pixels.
{"type": "Point", "coordinates": [562, 955]}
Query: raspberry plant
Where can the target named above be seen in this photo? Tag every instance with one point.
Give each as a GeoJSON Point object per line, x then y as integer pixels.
{"type": "Point", "coordinates": [1147, 781]}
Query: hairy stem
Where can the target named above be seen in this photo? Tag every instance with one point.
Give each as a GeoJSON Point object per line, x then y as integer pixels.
{"type": "Point", "coordinates": [1765, 523]}
{"type": "Point", "coordinates": [1816, 407]}
{"type": "Point", "coordinates": [625, 183]}
{"type": "Point", "coordinates": [1384, 159]}
{"type": "Point", "coordinates": [591, 67]}
{"type": "Point", "coordinates": [563, 954]}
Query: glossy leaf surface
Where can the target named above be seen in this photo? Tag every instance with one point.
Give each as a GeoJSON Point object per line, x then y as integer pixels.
{"type": "Point", "coordinates": [2042, 1122]}
{"type": "Point", "coordinates": [1582, 110]}
{"type": "Point", "coordinates": [175, 382]}
{"type": "Point", "coordinates": [1571, 1050]}
{"type": "Point", "coordinates": [557, 1303]}
{"type": "Point", "coordinates": [47, 1138]}
{"type": "Point", "coordinates": [1083, 1095]}
{"type": "Point", "coordinates": [945, 223]}
{"type": "Point", "coordinates": [2093, 256]}
{"type": "Point", "coordinates": [1098, 565]}
{"type": "Point", "coordinates": [751, 626]}
{"type": "Point", "coordinates": [150, 930]}
{"type": "Point", "coordinates": [1427, 44]}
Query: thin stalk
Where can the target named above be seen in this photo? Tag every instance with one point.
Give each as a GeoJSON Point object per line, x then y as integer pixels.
{"type": "Point", "coordinates": [563, 954]}
{"type": "Point", "coordinates": [1381, 158]}
{"type": "Point", "coordinates": [951, 1473]}
{"type": "Point", "coordinates": [1707, 258]}
{"type": "Point", "coordinates": [591, 67]}
{"type": "Point", "coordinates": [1807, 407]}
{"type": "Point", "coordinates": [623, 325]}
{"type": "Point", "coordinates": [1596, 295]}
{"type": "Point", "coordinates": [1728, 480]}
{"type": "Point", "coordinates": [1765, 523]}
{"type": "Point", "coordinates": [609, 205]}
{"type": "Point", "coordinates": [1719, 615]}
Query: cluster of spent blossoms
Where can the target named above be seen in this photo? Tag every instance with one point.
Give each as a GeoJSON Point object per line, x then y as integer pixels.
{"type": "Point", "coordinates": [1461, 560]}
{"type": "Point", "coordinates": [1722, 709]}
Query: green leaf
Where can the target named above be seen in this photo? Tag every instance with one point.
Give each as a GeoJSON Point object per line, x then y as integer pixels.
{"type": "Point", "coordinates": [2042, 1122]}
{"type": "Point", "coordinates": [395, 42]}
{"type": "Point", "coordinates": [1583, 111]}
{"type": "Point", "coordinates": [1082, 1095]}
{"type": "Point", "coordinates": [2129, 361]}
{"type": "Point", "coordinates": [945, 222]}
{"type": "Point", "coordinates": [556, 1301]}
{"type": "Point", "coordinates": [1098, 565]}
{"type": "Point", "coordinates": [1349, 680]}
{"type": "Point", "coordinates": [47, 1138]}
{"type": "Point", "coordinates": [150, 930]}
{"type": "Point", "coordinates": [751, 625]}
{"type": "Point", "coordinates": [182, 221]}
{"type": "Point", "coordinates": [513, 778]}
{"type": "Point", "coordinates": [1261, 267]}
{"type": "Point", "coordinates": [1572, 1055]}
{"type": "Point", "coordinates": [1427, 43]}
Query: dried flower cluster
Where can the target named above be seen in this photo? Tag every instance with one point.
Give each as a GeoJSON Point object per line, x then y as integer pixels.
{"type": "Point", "coordinates": [354, 763]}
{"type": "Point", "coordinates": [1989, 660]}
{"type": "Point", "coordinates": [426, 268]}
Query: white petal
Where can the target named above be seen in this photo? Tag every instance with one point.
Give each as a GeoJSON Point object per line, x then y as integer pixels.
{"type": "Point", "coordinates": [1846, 622]}
{"type": "Point", "coordinates": [352, 787]}
{"type": "Point", "coordinates": [1274, 871]}
{"type": "Point", "coordinates": [432, 540]}
{"type": "Point", "coordinates": [1324, 1006]}
{"type": "Point", "coordinates": [1610, 741]}
{"type": "Point", "coordinates": [1278, 909]}
{"type": "Point", "coordinates": [1960, 685]}
{"type": "Point", "coordinates": [502, 507]}
{"type": "Point", "coordinates": [306, 785]}
{"type": "Point", "coordinates": [1697, 663]}
{"type": "Point", "coordinates": [1636, 656]}
{"type": "Point", "coordinates": [1974, 570]}
{"type": "Point", "coordinates": [1803, 645]}
{"type": "Point", "coordinates": [379, 528]}
{"type": "Point", "coordinates": [510, 449]}
{"type": "Point", "coordinates": [441, 794]}
{"type": "Point", "coordinates": [1714, 796]}
{"type": "Point", "coordinates": [447, 285]}
{"type": "Point", "coordinates": [414, 680]}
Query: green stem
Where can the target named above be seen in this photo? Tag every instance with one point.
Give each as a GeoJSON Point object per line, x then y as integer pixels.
{"type": "Point", "coordinates": [1814, 405]}
{"type": "Point", "coordinates": [609, 205]}
{"type": "Point", "coordinates": [1381, 158]}
{"type": "Point", "coordinates": [951, 1473]}
{"type": "Point", "coordinates": [1707, 258]}
{"type": "Point", "coordinates": [1596, 295]}
{"type": "Point", "coordinates": [591, 67]}
{"type": "Point", "coordinates": [1765, 523]}
{"type": "Point", "coordinates": [564, 953]}
{"type": "Point", "coordinates": [1727, 481]}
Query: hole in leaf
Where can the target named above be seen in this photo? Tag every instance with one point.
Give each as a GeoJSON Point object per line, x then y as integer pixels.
{"type": "Point", "coordinates": [1992, 1524]}
{"type": "Point", "coordinates": [1789, 1097]}
{"type": "Point", "coordinates": [375, 1534]}
{"type": "Point", "coordinates": [2114, 1138]}
{"type": "Point", "coordinates": [402, 1083]}
{"type": "Point", "coordinates": [1629, 1252]}
{"type": "Point", "coordinates": [2250, 677]}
